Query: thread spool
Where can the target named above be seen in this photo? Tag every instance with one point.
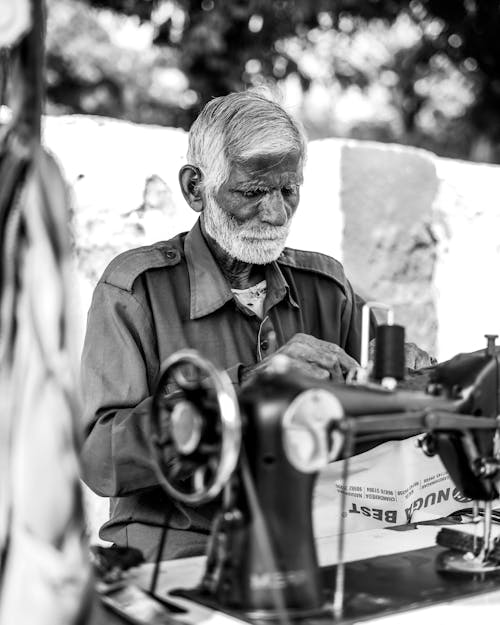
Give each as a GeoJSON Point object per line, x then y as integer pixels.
{"type": "Point", "coordinates": [389, 352]}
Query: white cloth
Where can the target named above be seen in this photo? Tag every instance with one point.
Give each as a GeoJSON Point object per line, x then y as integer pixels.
{"type": "Point", "coordinates": [253, 297]}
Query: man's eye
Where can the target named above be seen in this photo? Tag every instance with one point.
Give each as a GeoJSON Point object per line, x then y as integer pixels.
{"type": "Point", "coordinates": [253, 193]}
{"type": "Point", "coordinates": [289, 189]}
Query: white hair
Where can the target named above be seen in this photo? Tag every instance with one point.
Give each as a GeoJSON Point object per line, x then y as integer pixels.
{"type": "Point", "coordinates": [237, 126]}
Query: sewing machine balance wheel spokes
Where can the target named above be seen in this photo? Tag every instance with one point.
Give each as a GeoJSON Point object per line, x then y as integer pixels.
{"type": "Point", "coordinates": [195, 428]}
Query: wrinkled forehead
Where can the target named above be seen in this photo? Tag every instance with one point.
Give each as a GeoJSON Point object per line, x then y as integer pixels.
{"type": "Point", "coordinates": [284, 166]}
{"type": "Point", "coordinates": [263, 161]}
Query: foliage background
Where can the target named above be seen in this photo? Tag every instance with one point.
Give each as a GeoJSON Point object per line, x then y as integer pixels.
{"type": "Point", "coordinates": [416, 72]}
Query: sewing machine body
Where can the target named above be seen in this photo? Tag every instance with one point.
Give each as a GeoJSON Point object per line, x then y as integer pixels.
{"type": "Point", "coordinates": [262, 561]}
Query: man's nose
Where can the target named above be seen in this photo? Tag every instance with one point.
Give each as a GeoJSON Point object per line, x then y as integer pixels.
{"type": "Point", "coordinates": [273, 209]}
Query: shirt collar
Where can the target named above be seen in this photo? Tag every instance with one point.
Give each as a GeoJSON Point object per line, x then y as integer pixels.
{"type": "Point", "coordinates": [277, 287]}
{"type": "Point", "coordinates": [209, 288]}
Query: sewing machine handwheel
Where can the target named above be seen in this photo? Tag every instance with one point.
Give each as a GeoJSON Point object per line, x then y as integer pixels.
{"type": "Point", "coordinates": [195, 429]}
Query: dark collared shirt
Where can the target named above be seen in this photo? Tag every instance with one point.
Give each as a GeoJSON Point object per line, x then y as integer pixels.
{"type": "Point", "coordinates": [156, 300]}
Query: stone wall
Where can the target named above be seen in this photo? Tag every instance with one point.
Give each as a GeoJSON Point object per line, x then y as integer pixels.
{"type": "Point", "coordinates": [413, 230]}
{"type": "Point", "coordinates": [389, 244]}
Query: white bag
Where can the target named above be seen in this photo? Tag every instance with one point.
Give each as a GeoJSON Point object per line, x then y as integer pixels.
{"type": "Point", "coordinates": [392, 484]}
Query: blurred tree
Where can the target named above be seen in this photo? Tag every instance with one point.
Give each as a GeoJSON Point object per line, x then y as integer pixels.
{"type": "Point", "coordinates": [226, 45]}
{"type": "Point", "coordinates": [92, 68]}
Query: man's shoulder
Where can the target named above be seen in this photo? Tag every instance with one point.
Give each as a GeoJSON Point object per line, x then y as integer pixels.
{"type": "Point", "coordinates": [125, 268]}
{"type": "Point", "coordinates": [315, 262]}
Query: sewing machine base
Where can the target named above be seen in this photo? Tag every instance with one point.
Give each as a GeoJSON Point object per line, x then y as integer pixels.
{"type": "Point", "coordinates": [377, 587]}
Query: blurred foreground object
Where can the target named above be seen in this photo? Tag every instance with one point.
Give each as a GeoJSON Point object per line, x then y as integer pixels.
{"type": "Point", "coordinates": [44, 564]}
{"type": "Point", "coordinates": [15, 21]}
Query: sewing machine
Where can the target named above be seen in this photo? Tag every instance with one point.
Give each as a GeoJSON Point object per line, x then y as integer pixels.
{"type": "Point", "coordinates": [259, 454]}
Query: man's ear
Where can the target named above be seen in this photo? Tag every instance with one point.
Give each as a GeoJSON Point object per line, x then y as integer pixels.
{"type": "Point", "coordinates": [190, 181]}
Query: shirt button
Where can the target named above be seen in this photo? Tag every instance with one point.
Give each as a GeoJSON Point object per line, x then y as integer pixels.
{"type": "Point", "coordinates": [264, 345]}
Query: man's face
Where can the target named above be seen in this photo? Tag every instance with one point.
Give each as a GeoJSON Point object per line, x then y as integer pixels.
{"type": "Point", "coordinates": [250, 215]}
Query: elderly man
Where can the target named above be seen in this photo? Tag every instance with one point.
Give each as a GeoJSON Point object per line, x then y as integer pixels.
{"type": "Point", "coordinates": [228, 288]}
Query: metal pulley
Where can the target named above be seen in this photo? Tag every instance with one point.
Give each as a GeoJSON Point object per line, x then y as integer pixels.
{"type": "Point", "coordinates": [311, 434]}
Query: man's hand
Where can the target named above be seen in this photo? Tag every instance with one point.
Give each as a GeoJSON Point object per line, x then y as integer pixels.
{"type": "Point", "coordinates": [415, 357]}
{"type": "Point", "coordinates": [312, 357]}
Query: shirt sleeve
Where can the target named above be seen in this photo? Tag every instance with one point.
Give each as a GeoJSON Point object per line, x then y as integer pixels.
{"type": "Point", "coordinates": [119, 364]}
{"type": "Point", "coordinates": [119, 371]}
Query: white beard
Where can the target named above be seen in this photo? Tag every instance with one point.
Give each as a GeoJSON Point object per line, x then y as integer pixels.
{"type": "Point", "coordinates": [249, 244]}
